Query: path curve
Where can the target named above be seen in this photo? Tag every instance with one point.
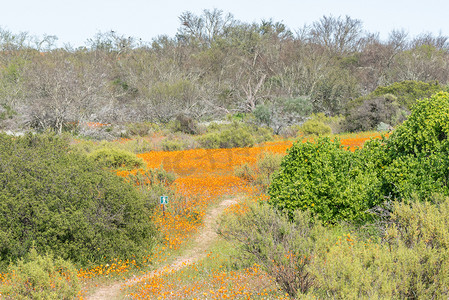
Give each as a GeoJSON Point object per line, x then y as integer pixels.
{"type": "Point", "coordinates": [202, 243]}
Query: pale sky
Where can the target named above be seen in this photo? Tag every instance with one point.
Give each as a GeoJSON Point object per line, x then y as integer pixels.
{"type": "Point", "coordinates": [76, 21]}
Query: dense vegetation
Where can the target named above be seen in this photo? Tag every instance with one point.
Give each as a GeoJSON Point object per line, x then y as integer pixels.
{"type": "Point", "coordinates": [336, 184]}
{"type": "Point", "coordinates": [385, 204]}
{"type": "Point", "coordinates": [400, 183]}
{"type": "Point", "coordinates": [64, 203]}
{"type": "Point", "coordinates": [214, 66]}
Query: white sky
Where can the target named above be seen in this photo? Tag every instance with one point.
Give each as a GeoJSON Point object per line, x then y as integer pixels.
{"type": "Point", "coordinates": [75, 21]}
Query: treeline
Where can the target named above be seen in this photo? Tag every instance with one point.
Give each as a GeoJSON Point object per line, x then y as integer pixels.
{"type": "Point", "coordinates": [215, 65]}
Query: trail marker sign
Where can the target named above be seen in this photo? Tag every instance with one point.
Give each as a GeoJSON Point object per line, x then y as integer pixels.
{"type": "Point", "coordinates": [164, 199]}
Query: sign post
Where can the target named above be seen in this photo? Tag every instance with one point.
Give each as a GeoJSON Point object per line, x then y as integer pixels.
{"type": "Point", "coordinates": [164, 200]}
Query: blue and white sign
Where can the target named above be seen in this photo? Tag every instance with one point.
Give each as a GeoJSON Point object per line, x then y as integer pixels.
{"type": "Point", "coordinates": [164, 199]}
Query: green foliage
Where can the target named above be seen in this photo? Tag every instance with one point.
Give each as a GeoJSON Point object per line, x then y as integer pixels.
{"type": "Point", "coordinates": [176, 90]}
{"type": "Point", "coordinates": [320, 124]}
{"type": "Point", "coordinates": [327, 179]}
{"type": "Point", "coordinates": [372, 112]}
{"type": "Point", "coordinates": [314, 127]}
{"type": "Point", "coordinates": [426, 130]}
{"type": "Point", "coordinates": [66, 204]}
{"type": "Point", "coordinates": [262, 113]}
{"type": "Point", "coordinates": [261, 173]}
{"type": "Point", "coordinates": [6, 112]}
{"type": "Point", "coordinates": [172, 145]}
{"type": "Point", "coordinates": [234, 135]}
{"type": "Point", "coordinates": [408, 91]}
{"type": "Point", "coordinates": [282, 247]}
{"type": "Point", "coordinates": [116, 158]}
{"type": "Point", "coordinates": [142, 128]}
{"type": "Point", "coordinates": [41, 277]}
{"type": "Point", "coordinates": [409, 262]}
{"type": "Point", "coordinates": [336, 184]}
{"type": "Point", "coordinates": [184, 124]}
{"type": "Point", "coordinates": [388, 104]}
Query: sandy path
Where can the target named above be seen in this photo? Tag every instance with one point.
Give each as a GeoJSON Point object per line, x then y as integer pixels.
{"type": "Point", "coordinates": [202, 243]}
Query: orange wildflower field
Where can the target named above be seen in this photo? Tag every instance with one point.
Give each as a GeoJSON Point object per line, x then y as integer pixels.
{"type": "Point", "coordinates": [204, 177]}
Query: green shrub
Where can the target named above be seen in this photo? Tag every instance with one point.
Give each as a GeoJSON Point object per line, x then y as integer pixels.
{"type": "Point", "coordinates": [327, 179]}
{"type": "Point", "coordinates": [234, 135]}
{"type": "Point", "coordinates": [261, 173]}
{"type": "Point", "coordinates": [371, 112]}
{"type": "Point", "coordinates": [142, 128]}
{"type": "Point", "coordinates": [116, 158]}
{"type": "Point", "coordinates": [227, 139]}
{"type": "Point", "coordinates": [41, 277]}
{"type": "Point", "coordinates": [409, 263]}
{"type": "Point", "coordinates": [426, 130]}
{"type": "Point", "coordinates": [172, 145]}
{"type": "Point", "coordinates": [409, 91]}
{"type": "Point", "coordinates": [184, 124]}
{"type": "Point", "coordinates": [320, 124]}
{"type": "Point", "coordinates": [283, 248]}
{"type": "Point", "coordinates": [342, 185]}
{"type": "Point", "coordinates": [315, 127]}
{"type": "Point", "coordinates": [67, 205]}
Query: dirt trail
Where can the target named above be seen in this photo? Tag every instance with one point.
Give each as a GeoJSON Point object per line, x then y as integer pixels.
{"type": "Point", "coordinates": [202, 243]}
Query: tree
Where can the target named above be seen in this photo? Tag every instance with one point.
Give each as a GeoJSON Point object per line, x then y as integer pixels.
{"type": "Point", "coordinates": [339, 35]}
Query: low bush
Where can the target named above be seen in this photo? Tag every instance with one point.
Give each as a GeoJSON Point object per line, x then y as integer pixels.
{"type": "Point", "coordinates": [234, 135]}
{"type": "Point", "coordinates": [142, 128]}
{"type": "Point", "coordinates": [373, 111]}
{"type": "Point", "coordinates": [67, 204]}
{"type": "Point", "coordinates": [408, 92]}
{"type": "Point", "coordinates": [261, 173]}
{"type": "Point", "coordinates": [315, 127]}
{"type": "Point", "coordinates": [116, 158]}
{"type": "Point", "coordinates": [40, 277]}
{"type": "Point", "coordinates": [410, 262]}
{"type": "Point", "coordinates": [283, 248]}
{"type": "Point", "coordinates": [184, 124]}
{"type": "Point", "coordinates": [172, 145]}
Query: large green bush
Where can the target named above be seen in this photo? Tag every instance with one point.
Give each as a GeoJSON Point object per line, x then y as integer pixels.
{"type": "Point", "coordinates": [327, 179]}
{"type": "Point", "coordinates": [315, 127]}
{"type": "Point", "coordinates": [426, 130]}
{"type": "Point", "coordinates": [340, 185]}
{"type": "Point", "coordinates": [66, 204]}
{"type": "Point", "coordinates": [418, 151]}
